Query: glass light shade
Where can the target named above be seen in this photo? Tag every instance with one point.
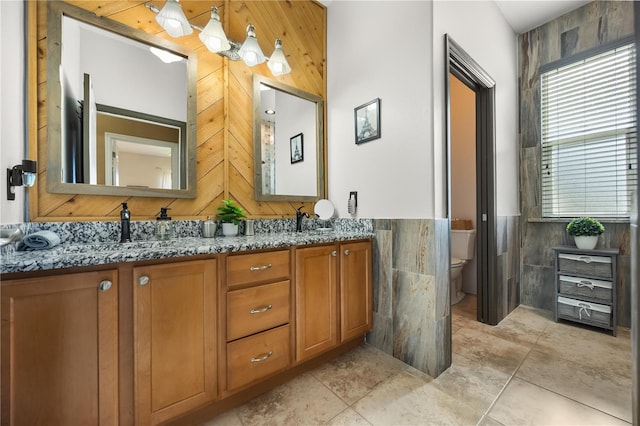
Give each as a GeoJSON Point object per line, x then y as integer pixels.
{"type": "Point", "coordinates": [213, 35]}
{"type": "Point", "coordinates": [278, 62]}
{"type": "Point", "coordinates": [172, 19]}
{"type": "Point", "coordinates": [250, 51]}
{"type": "Point", "coordinates": [28, 179]}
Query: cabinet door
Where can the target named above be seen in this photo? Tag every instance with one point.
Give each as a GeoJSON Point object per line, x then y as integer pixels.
{"type": "Point", "coordinates": [59, 350]}
{"type": "Point", "coordinates": [355, 290]}
{"type": "Point", "coordinates": [316, 300]}
{"type": "Point", "coordinates": [174, 339]}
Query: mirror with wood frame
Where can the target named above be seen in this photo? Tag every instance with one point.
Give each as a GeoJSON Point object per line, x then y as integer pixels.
{"type": "Point", "coordinates": [121, 109]}
{"type": "Point", "coordinates": [288, 134]}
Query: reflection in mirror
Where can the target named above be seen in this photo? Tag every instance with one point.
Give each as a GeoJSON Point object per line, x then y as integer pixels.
{"type": "Point", "coordinates": [288, 143]}
{"type": "Point", "coordinates": [125, 120]}
{"type": "Point", "coordinates": [138, 150]}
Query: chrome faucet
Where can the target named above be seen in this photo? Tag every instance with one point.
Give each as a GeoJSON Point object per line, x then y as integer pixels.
{"type": "Point", "coordinates": [299, 215]}
{"type": "Point", "coordinates": [125, 224]}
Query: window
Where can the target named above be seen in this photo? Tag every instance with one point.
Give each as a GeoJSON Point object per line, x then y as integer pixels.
{"type": "Point", "coordinates": [589, 160]}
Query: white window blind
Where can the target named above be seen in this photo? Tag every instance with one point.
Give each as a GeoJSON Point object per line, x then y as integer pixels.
{"type": "Point", "coordinates": [589, 160]}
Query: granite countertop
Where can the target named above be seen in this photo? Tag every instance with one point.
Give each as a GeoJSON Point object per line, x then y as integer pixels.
{"type": "Point", "coordinates": [70, 255]}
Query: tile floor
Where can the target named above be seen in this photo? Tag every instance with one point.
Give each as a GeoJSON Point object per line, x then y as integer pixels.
{"type": "Point", "coordinates": [528, 370]}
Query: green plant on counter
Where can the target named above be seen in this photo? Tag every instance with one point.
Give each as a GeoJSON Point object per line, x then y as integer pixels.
{"type": "Point", "coordinates": [585, 227]}
{"type": "Point", "coordinates": [230, 212]}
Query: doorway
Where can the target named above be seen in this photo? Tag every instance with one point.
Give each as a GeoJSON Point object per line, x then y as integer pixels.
{"type": "Point", "coordinates": [463, 67]}
{"type": "Point", "coordinates": [463, 160]}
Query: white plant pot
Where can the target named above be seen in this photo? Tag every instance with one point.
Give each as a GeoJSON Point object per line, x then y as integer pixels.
{"type": "Point", "coordinates": [586, 242]}
{"type": "Point", "coordinates": [229, 229]}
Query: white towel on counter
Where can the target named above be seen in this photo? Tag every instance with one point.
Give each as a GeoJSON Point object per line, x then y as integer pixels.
{"type": "Point", "coordinates": [41, 240]}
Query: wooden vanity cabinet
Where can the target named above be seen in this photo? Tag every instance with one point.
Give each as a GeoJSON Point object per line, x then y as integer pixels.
{"type": "Point", "coordinates": [174, 338]}
{"type": "Point", "coordinates": [60, 349]}
{"type": "Point", "coordinates": [258, 313]}
{"type": "Point", "coordinates": [333, 296]}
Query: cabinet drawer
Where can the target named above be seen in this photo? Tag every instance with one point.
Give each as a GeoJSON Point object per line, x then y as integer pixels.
{"type": "Point", "coordinates": [258, 356]}
{"type": "Point", "coordinates": [256, 267]}
{"type": "Point", "coordinates": [255, 309]}
{"type": "Point", "coordinates": [583, 287]}
{"type": "Point", "coordinates": [585, 312]}
{"type": "Point", "coordinates": [581, 264]}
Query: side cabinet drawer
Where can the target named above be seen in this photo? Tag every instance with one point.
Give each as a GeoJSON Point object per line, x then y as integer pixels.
{"type": "Point", "coordinates": [583, 287]}
{"type": "Point", "coordinates": [255, 309]}
{"type": "Point", "coordinates": [258, 356]}
{"type": "Point", "coordinates": [595, 266]}
{"type": "Point", "coordinates": [256, 267]}
{"type": "Point", "coordinates": [585, 312]}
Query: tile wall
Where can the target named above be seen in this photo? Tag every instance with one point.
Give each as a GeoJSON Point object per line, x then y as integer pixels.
{"type": "Point", "coordinates": [411, 312]}
{"type": "Point", "coordinates": [592, 25]}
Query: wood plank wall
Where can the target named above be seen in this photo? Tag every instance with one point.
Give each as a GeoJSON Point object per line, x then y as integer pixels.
{"type": "Point", "coordinates": [224, 99]}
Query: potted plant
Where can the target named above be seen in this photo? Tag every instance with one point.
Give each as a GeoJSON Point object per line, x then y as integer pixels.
{"type": "Point", "coordinates": [585, 232]}
{"type": "Point", "coordinates": [230, 215]}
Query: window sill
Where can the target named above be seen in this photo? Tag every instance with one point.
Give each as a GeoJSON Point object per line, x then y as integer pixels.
{"type": "Point", "coordinates": [568, 219]}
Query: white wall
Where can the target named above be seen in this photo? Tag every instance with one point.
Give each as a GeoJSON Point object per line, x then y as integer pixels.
{"type": "Point", "coordinates": [481, 30]}
{"type": "Point", "coordinates": [381, 49]}
{"type": "Point", "coordinates": [11, 104]}
{"type": "Point", "coordinates": [395, 50]}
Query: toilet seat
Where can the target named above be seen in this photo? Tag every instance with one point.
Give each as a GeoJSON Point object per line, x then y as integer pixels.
{"type": "Point", "coordinates": [456, 262]}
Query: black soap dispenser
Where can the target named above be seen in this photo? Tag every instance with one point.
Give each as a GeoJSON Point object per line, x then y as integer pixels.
{"type": "Point", "coordinates": [164, 228]}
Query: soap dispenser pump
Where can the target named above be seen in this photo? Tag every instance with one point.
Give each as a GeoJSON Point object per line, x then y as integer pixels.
{"type": "Point", "coordinates": [164, 230]}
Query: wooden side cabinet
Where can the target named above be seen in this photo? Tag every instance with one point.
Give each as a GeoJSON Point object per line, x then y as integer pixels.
{"type": "Point", "coordinates": [356, 304]}
{"type": "Point", "coordinates": [174, 339]}
{"type": "Point", "coordinates": [586, 286]}
{"type": "Point", "coordinates": [60, 350]}
{"type": "Point", "coordinates": [316, 300]}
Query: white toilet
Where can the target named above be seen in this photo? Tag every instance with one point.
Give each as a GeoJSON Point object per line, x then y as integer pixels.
{"type": "Point", "coordinates": [462, 249]}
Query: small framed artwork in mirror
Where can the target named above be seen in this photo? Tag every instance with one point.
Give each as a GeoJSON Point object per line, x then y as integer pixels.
{"type": "Point", "coordinates": [297, 148]}
{"type": "Point", "coordinates": [367, 120]}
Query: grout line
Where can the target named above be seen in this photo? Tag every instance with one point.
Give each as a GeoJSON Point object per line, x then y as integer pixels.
{"type": "Point", "coordinates": [574, 400]}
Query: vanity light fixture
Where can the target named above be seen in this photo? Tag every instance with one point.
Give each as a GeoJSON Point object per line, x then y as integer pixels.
{"type": "Point", "coordinates": [216, 41]}
{"type": "Point", "coordinates": [172, 19]}
{"type": "Point", "coordinates": [250, 51]}
{"type": "Point", "coordinates": [213, 36]}
{"type": "Point", "coordinates": [278, 62]}
{"type": "Point", "coordinates": [21, 175]}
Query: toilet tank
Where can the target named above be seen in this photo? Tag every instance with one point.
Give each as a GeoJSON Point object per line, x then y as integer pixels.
{"type": "Point", "coordinates": [463, 243]}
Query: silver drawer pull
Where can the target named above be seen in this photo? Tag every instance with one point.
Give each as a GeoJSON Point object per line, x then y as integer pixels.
{"type": "Point", "coordinates": [260, 310]}
{"type": "Point", "coordinates": [588, 284]}
{"type": "Point", "coordinates": [585, 259]}
{"type": "Point", "coordinates": [260, 268]}
{"type": "Point", "coordinates": [143, 280]}
{"type": "Point", "coordinates": [334, 253]}
{"type": "Point", "coordinates": [262, 357]}
{"type": "Point", "coordinates": [347, 252]}
{"type": "Point", "coordinates": [105, 285]}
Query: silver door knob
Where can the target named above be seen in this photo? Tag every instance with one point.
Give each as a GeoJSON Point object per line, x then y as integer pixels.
{"type": "Point", "coordinates": [347, 252]}
{"type": "Point", "coordinates": [105, 285]}
{"type": "Point", "coordinates": [143, 280]}
{"type": "Point", "coordinates": [334, 253]}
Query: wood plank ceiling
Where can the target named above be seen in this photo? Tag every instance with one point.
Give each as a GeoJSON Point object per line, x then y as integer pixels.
{"type": "Point", "coordinates": [224, 105]}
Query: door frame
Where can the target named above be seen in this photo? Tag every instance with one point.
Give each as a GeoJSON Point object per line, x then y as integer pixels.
{"type": "Point", "coordinates": [464, 67]}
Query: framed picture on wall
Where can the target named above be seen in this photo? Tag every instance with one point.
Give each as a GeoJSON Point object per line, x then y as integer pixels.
{"type": "Point", "coordinates": [296, 144]}
{"type": "Point", "coordinates": [367, 120]}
